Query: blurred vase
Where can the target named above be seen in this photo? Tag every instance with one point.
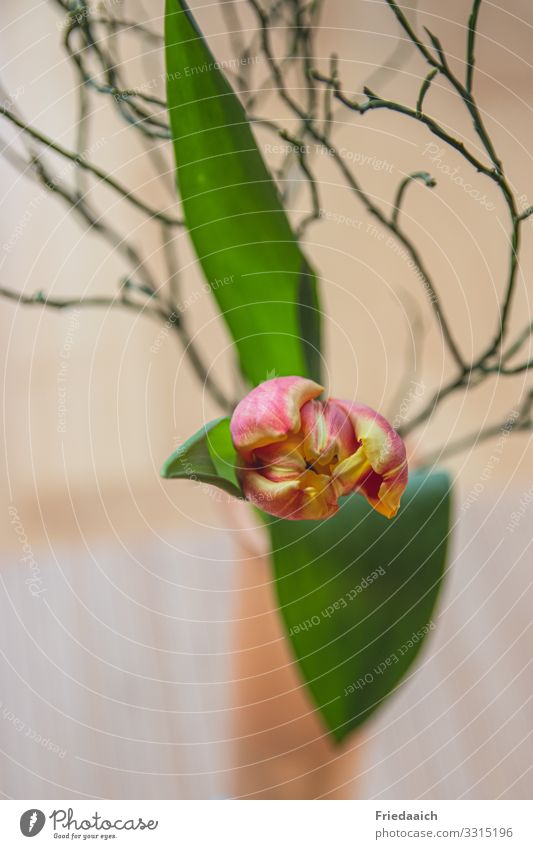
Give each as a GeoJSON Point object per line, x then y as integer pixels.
{"type": "Point", "coordinates": [281, 748]}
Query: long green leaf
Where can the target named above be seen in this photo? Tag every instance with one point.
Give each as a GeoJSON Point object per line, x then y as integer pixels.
{"type": "Point", "coordinates": [262, 282]}
{"type": "Point", "coordinates": [357, 593]}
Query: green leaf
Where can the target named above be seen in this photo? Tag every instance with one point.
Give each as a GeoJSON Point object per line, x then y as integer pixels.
{"type": "Point", "coordinates": [357, 593]}
{"type": "Point", "coordinates": [208, 456]}
{"type": "Point", "coordinates": [250, 256]}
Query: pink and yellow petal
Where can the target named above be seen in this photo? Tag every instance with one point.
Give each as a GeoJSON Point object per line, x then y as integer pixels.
{"type": "Point", "coordinates": [383, 447]}
{"type": "Point", "coordinates": [383, 494]}
{"type": "Point", "coordinates": [352, 472]}
{"type": "Point", "coordinates": [378, 469]}
{"type": "Point", "coordinates": [278, 498]}
{"type": "Point", "coordinates": [280, 460]}
{"type": "Point", "coordinates": [327, 432]}
{"type": "Point", "coordinates": [301, 498]}
{"type": "Point", "coordinates": [270, 412]}
{"type": "Point", "coordinates": [320, 496]}
{"type": "Point", "coordinates": [390, 493]}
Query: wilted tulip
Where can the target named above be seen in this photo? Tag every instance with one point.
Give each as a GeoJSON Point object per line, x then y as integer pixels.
{"type": "Point", "coordinates": [299, 454]}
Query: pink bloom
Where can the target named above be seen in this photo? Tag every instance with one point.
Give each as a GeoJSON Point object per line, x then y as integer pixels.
{"type": "Point", "coordinates": [299, 454]}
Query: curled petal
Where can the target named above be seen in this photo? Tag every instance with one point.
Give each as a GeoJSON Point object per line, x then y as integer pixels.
{"type": "Point", "coordinates": [378, 469]}
{"type": "Point", "coordinates": [309, 496]}
{"type": "Point", "coordinates": [270, 412]}
{"type": "Point", "coordinates": [327, 433]}
{"type": "Point", "coordinates": [390, 493]}
{"type": "Point", "coordinates": [281, 460]}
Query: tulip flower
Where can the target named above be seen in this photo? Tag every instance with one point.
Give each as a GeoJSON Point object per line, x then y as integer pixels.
{"type": "Point", "coordinates": [298, 455]}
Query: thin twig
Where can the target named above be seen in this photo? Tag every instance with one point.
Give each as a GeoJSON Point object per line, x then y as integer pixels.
{"type": "Point", "coordinates": [81, 162]}
{"type": "Point", "coordinates": [299, 149]}
{"type": "Point", "coordinates": [470, 45]}
{"type": "Point", "coordinates": [40, 298]}
{"type": "Point", "coordinates": [426, 178]}
{"type": "Point", "coordinates": [424, 88]}
{"type": "Point", "coordinates": [513, 422]}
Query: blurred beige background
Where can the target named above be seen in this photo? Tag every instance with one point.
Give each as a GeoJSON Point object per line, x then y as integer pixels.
{"type": "Point", "coordinates": [139, 572]}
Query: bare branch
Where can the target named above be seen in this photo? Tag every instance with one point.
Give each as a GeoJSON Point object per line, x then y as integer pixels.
{"type": "Point", "coordinates": [515, 421]}
{"type": "Point", "coordinates": [372, 208]}
{"type": "Point", "coordinates": [81, 162]}
{"type": "Point", "coordinates": [41, 299]}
